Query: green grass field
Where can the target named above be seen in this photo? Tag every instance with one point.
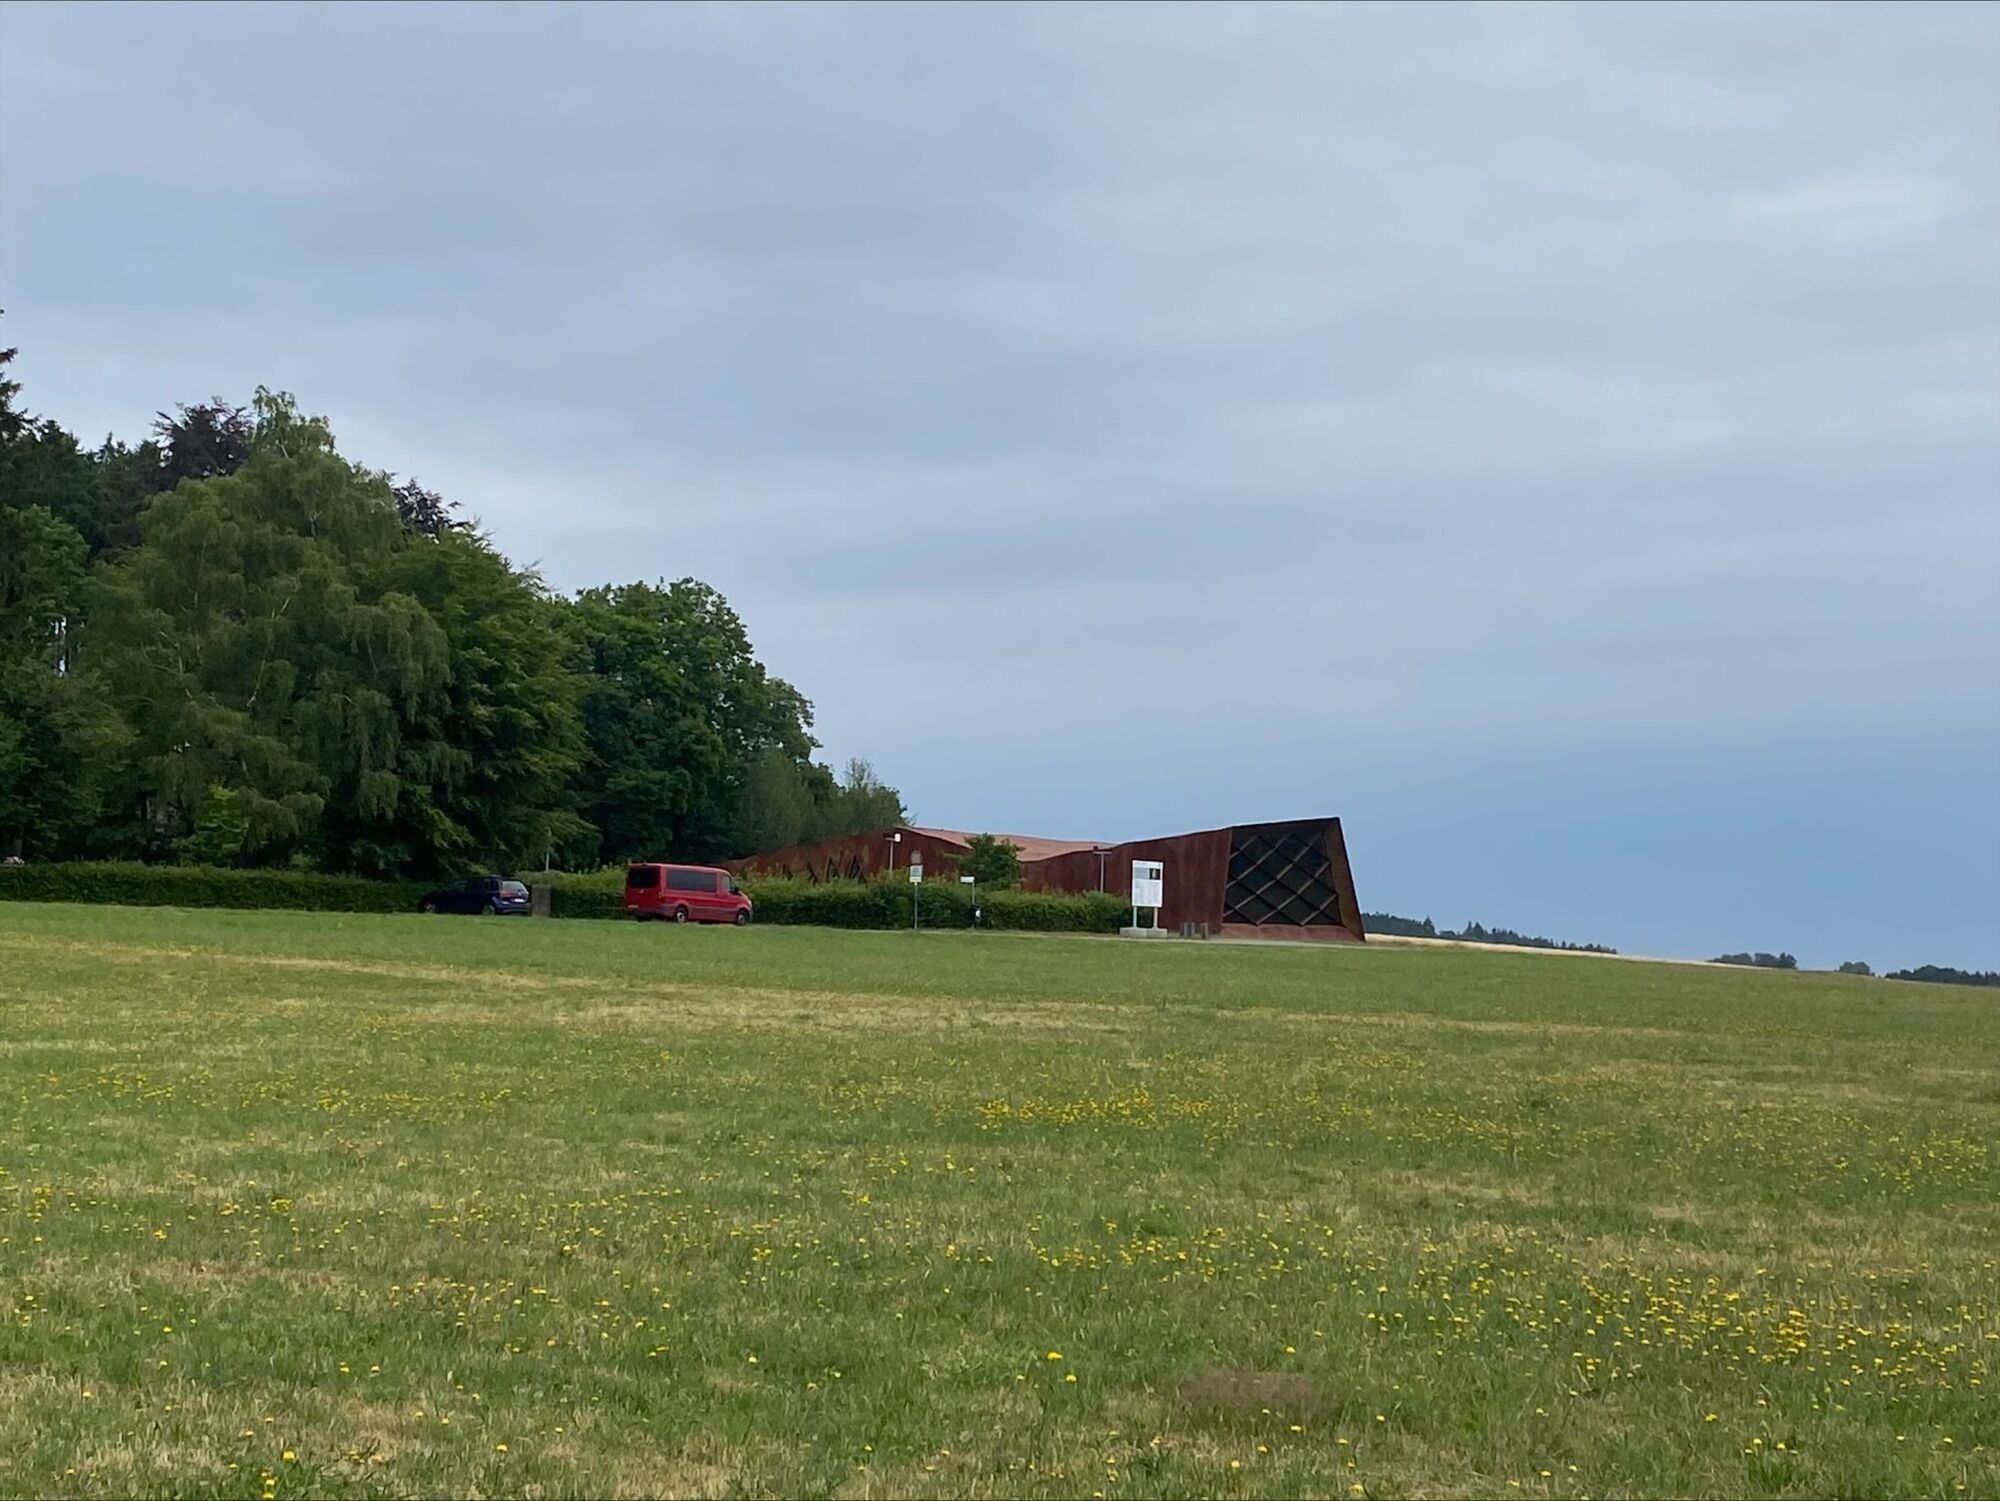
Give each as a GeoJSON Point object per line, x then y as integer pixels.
{"type": "Point", "coordinates": [393, 1206]}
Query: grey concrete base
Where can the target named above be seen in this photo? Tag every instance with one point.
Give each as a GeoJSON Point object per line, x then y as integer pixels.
{"type": "Point", "coordinates": [1145, 933]}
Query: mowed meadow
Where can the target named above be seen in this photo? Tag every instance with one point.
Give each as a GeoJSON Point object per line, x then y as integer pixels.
{"type": "Point", "coordinates": [378, 1206]}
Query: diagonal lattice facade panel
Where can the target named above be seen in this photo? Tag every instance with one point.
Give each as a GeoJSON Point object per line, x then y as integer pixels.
{"type": "Point", "coordinates": [1280, 877]}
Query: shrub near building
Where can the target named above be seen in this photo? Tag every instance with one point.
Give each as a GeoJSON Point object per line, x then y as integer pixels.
{"type": "Point", "coordinates": [129, 884]}
{"type": "Point", "coordinates": [597, 894]}
{"type": "Point", "coordinates": [885, 903]}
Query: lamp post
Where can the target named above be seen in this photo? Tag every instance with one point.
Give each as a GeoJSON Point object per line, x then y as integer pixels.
{"type": "Point", "coordinates": [973, 882]}
{"type": "Point", "coordinates": [894, 839]}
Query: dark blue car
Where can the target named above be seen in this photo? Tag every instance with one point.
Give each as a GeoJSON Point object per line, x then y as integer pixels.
{"type": "Point", "coordinates": [483, 896]}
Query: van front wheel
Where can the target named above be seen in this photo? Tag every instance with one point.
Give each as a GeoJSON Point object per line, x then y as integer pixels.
{"type": "Point", "coordinates": [742, 919]}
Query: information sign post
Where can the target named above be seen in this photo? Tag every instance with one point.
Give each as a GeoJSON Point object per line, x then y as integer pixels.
{"type": "Point", "coordinates": [1148, 890]}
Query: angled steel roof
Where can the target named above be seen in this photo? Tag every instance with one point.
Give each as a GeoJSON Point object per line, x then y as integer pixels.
{"type": "Point", "coordinates": [1031, 846]}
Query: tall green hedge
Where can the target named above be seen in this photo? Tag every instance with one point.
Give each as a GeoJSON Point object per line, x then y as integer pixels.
{"type": "Point", "coordinates": [133, 885]}
{"type": "Point", "coordinates": [598, 894]}
{"type": "Point", "coordinates": [1056, 911]}
{"type": "Point", "coordinates": [886, 904]}
{"type": "Point", "coordinates": [870, 904]}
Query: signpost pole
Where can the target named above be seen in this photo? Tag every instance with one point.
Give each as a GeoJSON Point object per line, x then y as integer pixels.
{"type": "Point", "coordinates": [916, 888]}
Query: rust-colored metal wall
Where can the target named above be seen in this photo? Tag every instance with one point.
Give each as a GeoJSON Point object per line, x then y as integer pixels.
{"type": "Point", "coordinates": [1197, 877]}
{"type": "Point", "coordinates": [1197, 870]}
{"type": "Point", "coordinates": [1197, 866]}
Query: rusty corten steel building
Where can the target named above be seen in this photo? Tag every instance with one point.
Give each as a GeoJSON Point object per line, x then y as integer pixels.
{"type": "Point", "coordinates": [1254, 880]}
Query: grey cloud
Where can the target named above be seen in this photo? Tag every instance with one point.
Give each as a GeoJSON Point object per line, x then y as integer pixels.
{"type": "Point", "coordinates": [1619, 371]}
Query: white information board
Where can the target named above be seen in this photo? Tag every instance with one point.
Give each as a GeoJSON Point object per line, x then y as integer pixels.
{"type": "Point", "coordinates": [1148, 883]}
{"type": "Point", "coordinates": [916, 872]}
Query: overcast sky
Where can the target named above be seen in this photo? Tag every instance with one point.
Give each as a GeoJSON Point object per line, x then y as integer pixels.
{"type": "Point", "coordinates": [1562, 442]}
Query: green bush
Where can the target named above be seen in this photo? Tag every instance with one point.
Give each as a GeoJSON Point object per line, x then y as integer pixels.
{"type": "Point", "coordinates": [1055, 911]}
{"type": "Point", "coordinates": [833, 904]}
{"type": "Point", "coordinates": [886, 904]}
{"type": "Point", "coordinates": [133, 885]}
{"type": "Point", "coordinates": [593, 894]}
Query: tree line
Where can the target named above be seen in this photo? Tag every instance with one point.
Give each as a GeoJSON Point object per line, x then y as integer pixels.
{"type": "Point", "coordinates": [1759, 960]}
{"type": "Point", "coordinates": [1391, 926]}
{"type": "Point", "coordinates": [228, 644]}
{"type": "Point", "coordinates": [1928, 974]}
{"type": "Point", "coordinates": [1945, 974]}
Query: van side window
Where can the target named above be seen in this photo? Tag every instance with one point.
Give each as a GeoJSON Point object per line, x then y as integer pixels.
{"type": "Point", "coordinates": [691, 880]}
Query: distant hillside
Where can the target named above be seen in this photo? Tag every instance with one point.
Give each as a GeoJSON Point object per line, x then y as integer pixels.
{"type": "Point", "coordinates": [1391, 926]}
{"type": "Point", "coordinates": [1942, 974]}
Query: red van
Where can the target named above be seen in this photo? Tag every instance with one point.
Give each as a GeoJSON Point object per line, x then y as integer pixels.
{"type": "Point", "coordinates": [685, 893]}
